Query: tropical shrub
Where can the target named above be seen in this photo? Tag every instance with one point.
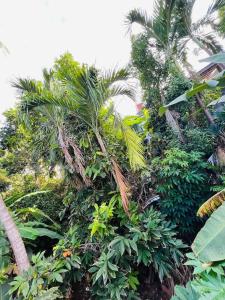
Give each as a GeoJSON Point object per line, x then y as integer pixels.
{"type": "Point", "coordinates": [182, 183]}
{"type": "Point", "coordinates": [40, 281]}
{"type": "Point", "coordinates": [146, 240]}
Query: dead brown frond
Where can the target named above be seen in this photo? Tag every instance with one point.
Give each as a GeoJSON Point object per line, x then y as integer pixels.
{"type": "Point", "coordinates": [77, 163]}
{"type": "Point", "coordinates": [211, 204]}
{"type": "Point", "coordinates": [122, 185]}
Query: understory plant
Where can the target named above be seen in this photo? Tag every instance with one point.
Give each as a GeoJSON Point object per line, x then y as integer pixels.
{"type": "Point", "coordinates": [183, 184]}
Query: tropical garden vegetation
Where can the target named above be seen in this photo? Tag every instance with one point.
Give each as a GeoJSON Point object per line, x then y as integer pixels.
{"type": "Point", "coordinates": [97, 206]}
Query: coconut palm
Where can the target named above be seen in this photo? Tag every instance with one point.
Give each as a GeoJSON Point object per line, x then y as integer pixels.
{"type": "Point", "coordinates": [84, 92]}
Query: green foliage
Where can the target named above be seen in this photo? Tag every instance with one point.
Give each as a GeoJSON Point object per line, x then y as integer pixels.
{"type": "Point", "coordinates": [208, 245]}
{"type": "Point", "coordinates": [4, 181]}
{"type": "Point", "coordinates": [25, 192]}
{"type": "Point", "coordinates": [151, 242]}
{"type": "Point", "coordinates": [182, 183]}
{"type": "Point", "coordinates": [102, 216]}
{"type": "Point", "coordinates": [34, 283]}
{"type": "Point", "coordinates": [185, 293]}
{"type": "Point", "coordinates": [4, 256]}
{"type": "Point", "coordinates": [208, 281]}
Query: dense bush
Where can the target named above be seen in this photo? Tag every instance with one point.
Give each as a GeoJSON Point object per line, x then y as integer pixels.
{"type": "Point", "coordinates": [183, 184]}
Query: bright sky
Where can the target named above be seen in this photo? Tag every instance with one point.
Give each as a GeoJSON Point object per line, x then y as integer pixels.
{"type": "Point", "coordinates": [38, 31]}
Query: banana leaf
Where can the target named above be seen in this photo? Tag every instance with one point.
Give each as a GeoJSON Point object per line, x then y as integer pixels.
{"type": "Point", "coordinates": [209, 245]}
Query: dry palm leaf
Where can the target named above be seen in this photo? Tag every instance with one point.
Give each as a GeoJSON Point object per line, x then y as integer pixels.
{"type": "Point", "coordinates": [211, 204]}
{"type": "Point", "coordinates": [122, 184]}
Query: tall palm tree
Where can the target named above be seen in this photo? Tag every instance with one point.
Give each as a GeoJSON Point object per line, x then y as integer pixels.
{"type": "Point", "coordinates": [195, 31]}
{"type": "Point", "coordinates": [52, 130]}
{"type": "Point", "coordinates": [14, 237]}
{"type": "Point", "coordinates": [171, 28]}
{"type": "Point", "coordinates": [11, 230]}
{"type": "Point", "coordinates": [84, 92]}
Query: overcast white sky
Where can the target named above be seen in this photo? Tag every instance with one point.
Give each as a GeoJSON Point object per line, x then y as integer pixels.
{"type": "Point", "coordinates": [38, 31]}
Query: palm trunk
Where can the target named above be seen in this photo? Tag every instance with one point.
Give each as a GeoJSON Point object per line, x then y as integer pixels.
{"type": "Point", "coordinates": [205, 109]}
{"type": "Point", "coordinates": [14, 237]}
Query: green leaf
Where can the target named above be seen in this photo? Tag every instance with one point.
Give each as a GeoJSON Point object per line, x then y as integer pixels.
{"type": "Point", "coordinates": [4, 288]}
{"type": "Point", "coordinates": [28, 232]}
{"type": "Point", "coordinates": [32, 233]}
{"type": "Point", "coordinates": [209, 244]}
{"type": "Point", "coordinates": [188, 293]}
{"type": "Point", "coordinates": [162, 111]}
{"type": "Point", "coordinates": [122, 247]}
{"type": "Point", "coordinates": [196, 89]}
{"type": "Point", "coordinates": [58, 277]}
{"type": "Point", "coordinates": [217, 58]}
{"type": "Point", "coordinates": [49, 233]}
{"type": "Point", "coordinates": [25, 196]}
{"type": "Point", "coordinates": [179, 99]}
{"type": "Point", "coordinates": [112, 266]}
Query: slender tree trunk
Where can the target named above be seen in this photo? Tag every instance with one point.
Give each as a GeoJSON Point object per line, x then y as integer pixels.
{"type": "Point", "coordinates": [14, 237]}
{"type": "Point", "coordinates": [205, 109]}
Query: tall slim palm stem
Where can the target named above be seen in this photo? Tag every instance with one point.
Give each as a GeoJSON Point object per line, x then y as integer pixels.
{"type": "Point", "coordinates": [14, 237]}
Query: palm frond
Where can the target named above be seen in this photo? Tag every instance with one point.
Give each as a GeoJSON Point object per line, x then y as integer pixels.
{"type": "Point", "coordinates": [209, 41]}
{"type": "Point", "coordinates": [122, 185]}
{"type": "Point", "coordinates": [135, 149]}
{"type": "Point", "coordinates": [120, 90]}
{"type": "Point", "coordinates": [33, 99]}
{"type": "Point", "coordinates": [211, 204]}
{"type": "Point", "coordinates": [48, 76]}
{"type": "Point", "coordinates": [110, 77]}
{"type": "Point", "coordinates": [26, 85]}
{"type": "Point", "coordinates": [215, 6]}
{"type": "Point", "coordinates": [140, 17]}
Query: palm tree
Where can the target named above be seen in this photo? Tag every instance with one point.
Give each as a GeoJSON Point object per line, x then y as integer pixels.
{"type": "Point", "coordinates": [194, 31]}
{"type": "Point", "coordinates": [14, 237]}
{"type": "Point", "coordinates": [84, 92]}
{"type": "Point", "coordinates": [12, 232]}
{"type": "Point", "coordinates": [52, 130]}
{"type": "Point", "coordinates": [171, 28]}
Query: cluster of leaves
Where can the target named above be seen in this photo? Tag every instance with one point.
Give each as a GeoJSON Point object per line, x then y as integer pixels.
{"type": "Point", "coordinates": [147, 239]}
{"type": "Point", "coordinates": [182, 182]}
{"type": "Point", "coordinates": [208, 282]}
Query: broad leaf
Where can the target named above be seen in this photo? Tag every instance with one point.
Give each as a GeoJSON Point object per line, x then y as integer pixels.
{"type": "Point", "coordinates": [217, 58]}
{"type": "Point", "coordinates": [188, 293]}
{"type": "Point", "coordinates": [4, 288]}
{"type": "Point", "coordinates": [33, 233]}
{"type": "Point", "coordinates": [179, 99]}
{"type": "Point", "coordinates": [209, 244]}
